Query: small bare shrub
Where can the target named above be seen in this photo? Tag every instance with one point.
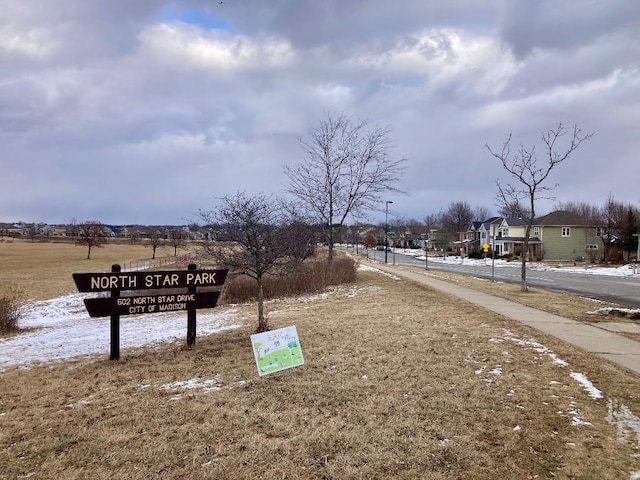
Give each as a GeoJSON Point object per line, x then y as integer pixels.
{"type": "Point", "coordinates": [10, 302]}
{"type": "Point", "coordinates": [313, 276]}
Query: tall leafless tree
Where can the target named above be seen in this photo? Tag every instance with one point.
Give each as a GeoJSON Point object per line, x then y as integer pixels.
{"type": "Point", "coordinates": [91, 234]}
{"type": "Point", "coordinates": [629, 230]}
{"type": "Point", "coordinates": [531, 175]}
{"type": "Point", "coordinates": [584, 209]}
{"type": "Point", "coordinates": [155, 238]}
{"type": "Point", "coordinates": [177, 238]}
{"type": "Point", "coordinates": [432, 222]}
{"type": "Point", "coordinates": [511, 209]}
{"type": "Point", "coordinates": [481, 213]}
{"type": "Point", "coordinates": [72, 229]}
{"type": "Point", "coordinates": [611, 218]}
{"type": "Point", "coordinates": [347, 167]}
{"type": "Point", "coordinates": [260, 237]}
{"type": "Point", "coordinates": [457, 218]}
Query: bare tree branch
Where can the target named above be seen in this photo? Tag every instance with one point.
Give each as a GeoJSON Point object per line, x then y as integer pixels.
{"type": "Point", "coordinates": [259, 236]}
{"type": "Point", "coordinates": [530, 175]}
{"type": "Point", "coordinates": [346, 169]}
{"type": "Point", "coordinates": [91, 234]}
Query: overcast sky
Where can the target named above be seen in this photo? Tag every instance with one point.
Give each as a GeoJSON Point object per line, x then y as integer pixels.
{"type": "Point", "coordinates": [147, 111]}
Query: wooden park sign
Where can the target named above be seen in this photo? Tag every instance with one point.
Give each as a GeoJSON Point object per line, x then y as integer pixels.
{"type": "Point", "coordinates": [184, 295]}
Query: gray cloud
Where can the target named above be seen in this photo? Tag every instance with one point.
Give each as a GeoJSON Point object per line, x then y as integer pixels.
{"type": "Point", "coordinates": [147, 111]}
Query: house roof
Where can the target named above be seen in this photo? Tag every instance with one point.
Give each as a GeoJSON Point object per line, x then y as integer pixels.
{"type": "Point", "coordinates": [487, 223]}
{"type": "Point", "coordinates": [562, 218]}
{"type": "Point", "coordinates": [515, 222]}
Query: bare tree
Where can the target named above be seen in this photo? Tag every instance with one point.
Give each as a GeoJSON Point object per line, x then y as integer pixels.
{"type": "Point", "coordinates": [91, 234]}
{"type": "Point", "coordinates": [398, 224]}
{"type": "Point", "coordinates": [72, 230]}
{"type": "Point", "coordinates": [531, 176]}
{"type": "Point", "coordinates": [432, 221]}
{"type": "Point", "coordinates": [481, 213]}
{"type": "Point", "coordinates": [32, 232]}
{"type": "Point", "coordinates": [512, 209]}
{"type": "Point", "coordinates": [265, 239]}
{"type": "Point", "coordinates": [346, 169]}
{"type": "Point", "coordinates": [629, 230]}
{"type": "Point", "coordinates": [177, 239]}
{"type": "Point", "coordinates": [156, 239]}
{"type": "Point", "coordinates": [135, 233]}
{"type": "Point", "coordinates": [584, 209]}
{"type": "Point", "coordinates": [611, 219]}
{"type": "Point", "coordinates": [457, 218]}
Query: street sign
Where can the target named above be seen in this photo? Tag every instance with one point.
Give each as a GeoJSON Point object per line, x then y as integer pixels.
{"type": "Point", "coordinates": [104, 307]}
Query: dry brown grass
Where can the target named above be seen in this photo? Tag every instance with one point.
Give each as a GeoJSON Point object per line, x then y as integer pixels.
{"type": "Point", "coordinates": [314, 275]}
{"type": "Point", "coordinates": [43, 270]}
{"type": "Point", "coordinates": [563, 304]}
{"type": "Point", "coordinates": [399, 381]}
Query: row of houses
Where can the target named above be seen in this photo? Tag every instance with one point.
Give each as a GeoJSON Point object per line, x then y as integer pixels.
{"type": "Point", "coordinates": [22, 229]}
{"type": "Point", "coordinates": [558, 236]}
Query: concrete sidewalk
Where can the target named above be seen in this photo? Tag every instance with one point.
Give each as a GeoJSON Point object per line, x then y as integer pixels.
{"type": "Point", "coordinates": [608, 345]}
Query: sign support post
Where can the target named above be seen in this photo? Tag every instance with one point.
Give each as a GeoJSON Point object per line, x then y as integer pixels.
{"type": "Point", "coordinates": [115, 305]}
{"type": "Point", "coordinates": [115, 323]}
{"type": "Point", "coordinates": [191, 316]}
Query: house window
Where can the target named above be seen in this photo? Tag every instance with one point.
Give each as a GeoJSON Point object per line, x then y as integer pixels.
{"type": "Point", "coordinates": [598, 231]}
{"type": "Point", "coordinates": [536, 231]}
{"type": "Point", "coordinates": [505, 232]}
{"type": "Point", "coordinates": [592, 246]}
{"type": "Point", "coordinates": [566, 231]}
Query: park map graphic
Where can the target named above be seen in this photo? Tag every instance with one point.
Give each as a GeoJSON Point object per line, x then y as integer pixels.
{"type": "Point", "coordinates": [277, 350]}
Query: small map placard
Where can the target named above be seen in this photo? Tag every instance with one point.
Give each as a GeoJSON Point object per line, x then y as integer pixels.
{"type": "Point", "coordinates": [276, 350]}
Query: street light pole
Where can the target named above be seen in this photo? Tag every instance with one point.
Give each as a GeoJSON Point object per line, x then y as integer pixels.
{"type": "Point", "coordinates": [425, 236]}
{"type": "Point", "coordinates": [637, 264]}
{"type": "Point", "coordinates": [386, 228]}
{"type": "Point", "coordinates": [493, 256]}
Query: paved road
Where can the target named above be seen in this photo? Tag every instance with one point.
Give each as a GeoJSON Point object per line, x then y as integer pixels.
{"type": "Point", "coordinates": [620, 290]}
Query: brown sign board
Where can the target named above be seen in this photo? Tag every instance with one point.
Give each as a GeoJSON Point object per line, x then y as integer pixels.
{"type": "Point", "coordinates": [102, 282]}
{"type": "Point", "coordinates": [104, 307]}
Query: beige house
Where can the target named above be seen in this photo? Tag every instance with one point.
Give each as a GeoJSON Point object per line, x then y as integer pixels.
{"type": "Point", "coordinates": [509, 240]}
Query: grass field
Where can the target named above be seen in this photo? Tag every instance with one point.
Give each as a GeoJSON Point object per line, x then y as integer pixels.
{"type": "Point", "coordinates": [43, 270]}
{"type": "Point", "coordinates": [399, 381]}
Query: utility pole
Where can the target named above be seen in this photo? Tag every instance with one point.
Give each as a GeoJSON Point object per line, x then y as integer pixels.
{"type": "Point", "coordinates": [386, 229]}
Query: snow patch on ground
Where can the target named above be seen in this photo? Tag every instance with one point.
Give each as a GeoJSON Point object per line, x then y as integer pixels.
{"type": "Point", "coordinates": [203, 385]}
{"type": "Point", "coordinates": [628, 424]}
{"type": "Point", "coordinates": [60, 329]}
{"type": "Point", "coordinates": [587, 385]}
{"type": "Point", "coordinates": [621, 312]}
